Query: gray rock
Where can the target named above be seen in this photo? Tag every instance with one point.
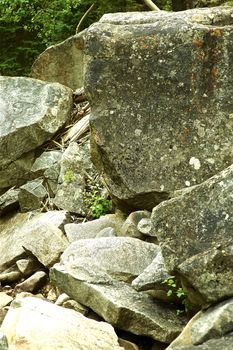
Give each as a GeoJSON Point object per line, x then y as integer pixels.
{"type": "Point", "coordinates": [63, 63]}
{"type": "Point", "coordinates": [31, 195]}
{"type": "Point", "coordinates": [5, 299]}
{"type": "Point", "coordinates": [224, 343]}
{"type": "Point", "coordinates": [75, 164]}
{"type": "Point", "coordinates": [145, 226]}
{"type": "Point", "coordinates": [120, 305]}
{"type": "Point", "coordinates": [130, 226]}
{"type": "Point", "coordinates": [213, 323]}
{"type": "Point", "coordinates": [27, 266]}
{"type": "Point", "coordinates": [153, 275]}
{"type": "Point", "coordinates": [107, 232]}
{"type": "Point", "coordinates": [45, 161]}
{"type": "Point", "coordinates": [33, 283]}
{"type": "Point", "coordinates": [91, 229]}
{"type": "Point", "coordinates": [195, 234]}
{"type": "Point", "coordinates": [10, 274]}
{"type": "Point", "coordinates": [36, 234]}
{"type": "Point", "coordinates": [164, 81]}
{"type": "Point", "coordinates": [31, 112]}
{"type": "Point", "coordinates": [37, 324]}
{"type": "Point", "coordinates": [17, 172]}
{"type": "Point", "coordinates": [9, 201]}
{"type": "Point", "coordinates": [3, 342]}
{"type": "Point", "coordinates": [122, 258]}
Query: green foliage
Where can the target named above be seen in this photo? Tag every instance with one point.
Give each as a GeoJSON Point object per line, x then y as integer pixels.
{"type": "Point", "coordinates": [174, 290]}
{"type": "Point", "coordinates": [69, 176]}
{"type": "Point", "coordinates": [98, 205]}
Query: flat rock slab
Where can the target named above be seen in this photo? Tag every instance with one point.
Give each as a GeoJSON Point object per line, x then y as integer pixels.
{"type": "Point", "coordinates": [224, 343]}
{"type": "Point", "coordinates": [32, 323]}
{"type": "Point", "coordinates": [31, 111]}
{"type": "Point", "coordinates": [160, 88]}
{"type": "Point", "coordinates": [195, 235]}
{"type": "Point", "coordinates": [37, 233]}
{"type": "Point", "coordinates": [122, 258]}
{"type": "Point", "coordinates": [120, 305]}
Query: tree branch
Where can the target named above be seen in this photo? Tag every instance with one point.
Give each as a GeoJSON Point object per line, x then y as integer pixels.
{"type": "Point", "coordinates": [151, 5]}
{"type": "Point", "coordinates": [83, 18]}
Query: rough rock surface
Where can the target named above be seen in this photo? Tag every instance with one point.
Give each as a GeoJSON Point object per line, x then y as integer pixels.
{"type": "Point", "coordinates": [31, 112]}
{"type": "Point", "coordinates": [164, 80]}
{"type": "Point", "coordinates": [35, 324]}
{"type": "Point", "coordinates": [120, 305]}
{"type": "Point", "coordinates": [122, 258]}
{"type": "Point", "coordinates": [35, 234]}
{"type": "Point", "coordinates": [63, 63]}
{"type": "Point", "coordinates": [224, 343]}
{"type": "Point", "coordinates": [195, 234]}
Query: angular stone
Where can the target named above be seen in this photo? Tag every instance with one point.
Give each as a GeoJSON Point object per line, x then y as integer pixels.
{"type": "Point", "coordinates": [27, 266]}
{"type": "Point", "coordinates": [161, 114]}
{"type": "Point", "coordinates": [224, 343]}
{"type": "Point", "coordinates": [3, 342]}
{"type": "Point", "coordinates": [153, 275]}
{"type": "Point", "coordinates": [91, 229]}
{"type": "Point", "coordinates": [32, 233]}
{"type": "Point", "coordinates": [36, 324]}
{"type": "Point", "coordinates": [17, 172]}
{"type": "Point", "coordinates": [31, 112]}
{"type": "Point", "coordinates": [130, 226]}
{"type": "Point", "coordinates": [33, 283]}
{"type": "Point", "coordinates": [213, 323]}
{"type": "Point", "coordinates": [5, 299]}
{"type": "Point", "coordinates": [9, 201]}
{"type": "Point", "coordinates": [75, 164]}
{"type": "Point", "coordinates": [31, 195]}
{"type": "Point", "coordinates": [122, 258]}
{"type": "Point", "coordinates": [49, 66]}
{"type": "Point", "coordinates": [46, 160]}
{"type": "Point", "coordinates": [195, 235]}
{"type": "Point", "coordinates": [120, 305]}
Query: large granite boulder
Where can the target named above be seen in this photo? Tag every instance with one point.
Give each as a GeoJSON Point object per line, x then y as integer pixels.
{"type": "Point", "coordinates": [36, 324]}
{"type": "Point", "coordinates": [63, 63]}
{"type": "Point", "coordinates": [31, 112]}
{"type": "Point", "coordinates": [195, 235]}
{"type": "Point", "coordinates": [160, 88]}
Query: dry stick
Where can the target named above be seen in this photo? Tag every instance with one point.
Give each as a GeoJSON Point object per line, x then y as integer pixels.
{"type": "Point", "coordinates": [151, 5]}
{"type": "Point", "coordinates": [83, 18]}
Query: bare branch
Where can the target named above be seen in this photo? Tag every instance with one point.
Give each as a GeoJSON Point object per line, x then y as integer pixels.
{"type": "Point", "coordinates": [83, 18]}
{"type": "Point", "coordinates": [151, 5]}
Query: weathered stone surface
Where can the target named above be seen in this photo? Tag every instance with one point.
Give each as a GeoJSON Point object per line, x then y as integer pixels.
{"type": "Point", "coordinates": [195, 234]}
{"type": "Point", "coordinates": [119, 257]}
{"type": "Point", "coordinates": [3, 342]}
{"type": "Point", "coordinates": [35, 324]}
{"type": "Point", "coordinates": [27, 266]}
{"type": "Point", "coordinates": [63, 63]}
{"type": "Point", "coordinates": [120, 305]}
{"type": "Point", "coordinates": [5, 299]}
{"type": "Point", "coordinates": [33, 233]}
{"type": "Point", "coordinates": [130, 226]}
{"type": "Point", "coordinates": [31, 195]}
{"type": "Point", "coordinates": [9, 201]}
{"type": "Point", "coordinates": [46, 161]}
{"type": "Point", "coordinates": [31, 112]}
{"type": "Point", "coordinates": [33, 283]}
{"type": "Point", "coordinates": [153, 275]}
{"type": "Point", "coordinates": [91, 229]}
{"type": "Point", "coordinates": [224, 343]}
{"type": "Point", "coordinates": [75, 164]}
{"type": "Point", "coordinates": [213, 323]}
{"type": "Point", "coordinates": [18, 172]}
{"type": "Point", "coordinates": [160, 88]}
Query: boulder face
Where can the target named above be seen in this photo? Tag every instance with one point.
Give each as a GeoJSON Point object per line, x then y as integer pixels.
{"type": "Point", "coordinates": [195, 235]}
{"type": "Point", "coordinates": [160, 88]}
{"type": "Point", "coordinates": [63, 63]}
{"type": "Point", "coordinates": [31, 112]}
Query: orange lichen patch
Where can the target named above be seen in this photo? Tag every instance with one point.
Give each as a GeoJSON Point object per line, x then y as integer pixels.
{"type": "Point", "coordinates": [214, 72]}
{"type": "Point", "coordinates": [183, 135]}
{"type": "Point", "coordinates": [197, 42]}
{"type": "Point", "coordinates": [217, 32]}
